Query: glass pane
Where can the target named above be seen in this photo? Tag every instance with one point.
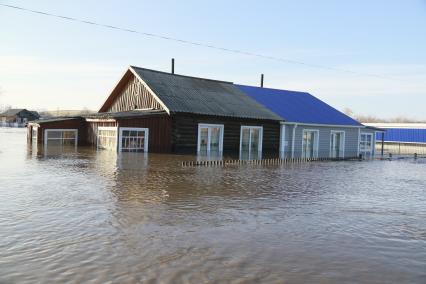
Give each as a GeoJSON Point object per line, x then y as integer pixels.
{"type": "Point", "coordinates": [308, 144]}
{"type": "Point", "coordinates": [203, 140]}
{"type": "Point", "coordinates": [68, 135]}
{"type": "Point", "coordinates": [335, 144]}
{"type": "Point", "coordinates": [255, 135]}
{"type": "Point", "coordinates": [54, 134]}
{"type": "Point", "coordinates": [214, 140]}
{"type": "Point", "coordinates": [245, 141]}
{"type": "Point", "coordinates": [54, 142]}
{"type": "Point", "coordinates": [68, 142]}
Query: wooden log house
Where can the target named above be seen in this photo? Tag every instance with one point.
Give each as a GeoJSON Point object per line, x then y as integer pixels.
{"type": "Point", "coordinates": [154, 111]}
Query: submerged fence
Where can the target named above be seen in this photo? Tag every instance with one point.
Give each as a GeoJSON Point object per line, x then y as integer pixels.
{"type": "Point", "coordinates": [401, 148]}
{"type": "Point", "coordinates": [277, 161]}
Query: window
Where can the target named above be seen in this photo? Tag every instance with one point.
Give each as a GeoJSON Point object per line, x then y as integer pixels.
{"type": "Point", "coordinates": [61, 137]}
{"type": "Point", "coordinates": [337, 144]}
{"type": "Point", "coordinates": [310, 143]}
{"type": "Point", "coordinates": [107, 138]}
{"type": "Point", "coordinates": [251, 142]}
{"type": "Point", "coordinates": [366, 145]}
{"type": "Point", "coordinates": [133, 139]}
{"type": "Point", "coordinates": [210, 139]}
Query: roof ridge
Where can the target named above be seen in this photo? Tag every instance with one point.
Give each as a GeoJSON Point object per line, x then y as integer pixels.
{"type": "Point", "coordinates": [274, 89]}
{"type": "Point", "coordinates": [180, 75]}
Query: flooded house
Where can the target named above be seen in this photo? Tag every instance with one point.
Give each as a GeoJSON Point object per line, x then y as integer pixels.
{"type": "Point", "coordinates": [310, 128]}
{"type": "Point", "coordinates": [155, 111]}
{"type": "Point", "coordinates": [16, 117]}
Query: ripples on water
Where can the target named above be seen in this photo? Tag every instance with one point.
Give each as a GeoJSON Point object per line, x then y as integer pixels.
{"type": "Point", "coordinates": [91, 216]}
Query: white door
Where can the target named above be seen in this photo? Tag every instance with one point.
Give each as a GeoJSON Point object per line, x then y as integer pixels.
{"type": "Point", "coordinates": [366, 145]}
{"type": "Point", "coordinates": [210, 139]}
{"type": "Point", "coordinates": [310, 144]}
{"type": "Point", "coordinates": [337, 144]}
{"type": "Point", "coordinates": [107, 138]}
{"type": "Point", "coordinates": [251, 142]}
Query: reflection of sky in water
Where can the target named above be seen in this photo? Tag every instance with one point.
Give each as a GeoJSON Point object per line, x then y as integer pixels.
{"type": "Point", "coordinates": [95, 215]}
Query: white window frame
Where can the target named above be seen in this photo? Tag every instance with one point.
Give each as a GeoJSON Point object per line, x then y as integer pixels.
{"type": "Point", "coordinates": [60, 130]}
{"type": "Point", "coordinates": [342, 142]}
{"type": "Point", "coordinates": [259, 151]}
{"type": "Point", "coordinates": [209, 127]}
{"type": "Point", "coordinates": [107, 128]}
{"type": "Point", "coordinates": [282, 140]}
{"type": "Point", "coordinates": [361, 151]}
{"type": "Point", "coordinates": [316, 142]}
{"type": "Point", "coordinates": [120, 134]}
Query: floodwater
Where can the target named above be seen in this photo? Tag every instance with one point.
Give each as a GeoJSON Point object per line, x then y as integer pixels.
{"type": "Point", "coordinates": [93, 217]}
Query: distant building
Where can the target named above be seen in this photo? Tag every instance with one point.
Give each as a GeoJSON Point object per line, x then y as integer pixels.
{"type": "Point", "coordinates": [153, 111]}
{"type": "Point", "coordinates": [17, 116]}
{"type": "Point", "coordinates": [402, 138]}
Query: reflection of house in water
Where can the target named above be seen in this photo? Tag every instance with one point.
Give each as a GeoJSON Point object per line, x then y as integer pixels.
{"type": "Point", "coordinates": [153, 111]}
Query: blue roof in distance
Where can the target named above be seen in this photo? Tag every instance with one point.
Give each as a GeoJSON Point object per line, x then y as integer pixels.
{"type": "Point", "coordinates": [298, 106]}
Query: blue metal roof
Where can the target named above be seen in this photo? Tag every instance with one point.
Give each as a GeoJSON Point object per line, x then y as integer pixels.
{"type": "Point", "coordinates": [298, 106]}
{"type": "Point", "coordinates": [403, 135]}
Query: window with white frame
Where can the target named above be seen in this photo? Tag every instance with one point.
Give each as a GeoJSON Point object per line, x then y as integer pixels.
{"type": "Point", "coordinates": [61, 137]}
{"type": "Point", "coordinates": [366, 144]}
{"type": "Point", "coordinates": [210, 139]}
{"type": "Point", "coordinates": [133, 139]}
{"type": "Point", "coordinates": [310, 143]}
{"type": "Point", "coordinates": [337, 144]}
{"type": "Point", "coordinates": [107, 138]}
{"type": "Point", "coordinates": [251, 142]}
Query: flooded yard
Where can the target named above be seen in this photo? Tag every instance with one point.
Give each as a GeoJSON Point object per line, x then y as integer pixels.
{"type": "Point", "coordinates": [93, 216]}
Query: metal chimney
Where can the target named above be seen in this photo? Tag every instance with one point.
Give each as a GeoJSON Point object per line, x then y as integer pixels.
{"type": "Point", "coordinates": [261, 80]}
{"type": "Point", "coordinates": [173, 66]}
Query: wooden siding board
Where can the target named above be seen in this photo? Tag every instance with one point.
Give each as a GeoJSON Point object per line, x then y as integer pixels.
{"type": "Point", "coordinates": [134, 95]}
{"type": "Point", "coordinates": [78, 124]}
{"type": "Point", "coordinates": [160, 131]}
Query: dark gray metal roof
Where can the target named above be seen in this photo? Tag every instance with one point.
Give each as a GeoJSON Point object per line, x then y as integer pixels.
{"type": "Point", "coordinates": [12, 112]}
{"type": "Point", "coordinates": [55, 119]}
{"type": "Point", "coordinates": [184, 94]}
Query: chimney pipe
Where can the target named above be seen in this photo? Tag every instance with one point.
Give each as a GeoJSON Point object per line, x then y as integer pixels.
{"type": "Point", "coordinates": [173, 66]}
{"type": "Point", "coordinates": [261, 80]}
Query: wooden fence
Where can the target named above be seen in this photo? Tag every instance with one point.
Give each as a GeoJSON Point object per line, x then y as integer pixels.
{"type": "Point", "coordinates": [277, 161]}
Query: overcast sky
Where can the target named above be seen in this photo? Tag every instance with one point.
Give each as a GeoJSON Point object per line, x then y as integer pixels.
{"type": "Point", "coordinates": [47, 63]}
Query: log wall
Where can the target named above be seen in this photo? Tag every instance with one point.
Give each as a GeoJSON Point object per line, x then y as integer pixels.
{"type": "Point", "coordinates": [185, 133]}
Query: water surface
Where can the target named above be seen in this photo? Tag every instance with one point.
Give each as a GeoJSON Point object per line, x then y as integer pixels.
{"type": "Point", "coordinates": [96, 217]}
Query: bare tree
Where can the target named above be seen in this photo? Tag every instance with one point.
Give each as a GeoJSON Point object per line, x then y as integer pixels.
{"type": "Point", "coordinates": [348, 112]}
{"type": "Point", "coordinates": [372, 118]}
